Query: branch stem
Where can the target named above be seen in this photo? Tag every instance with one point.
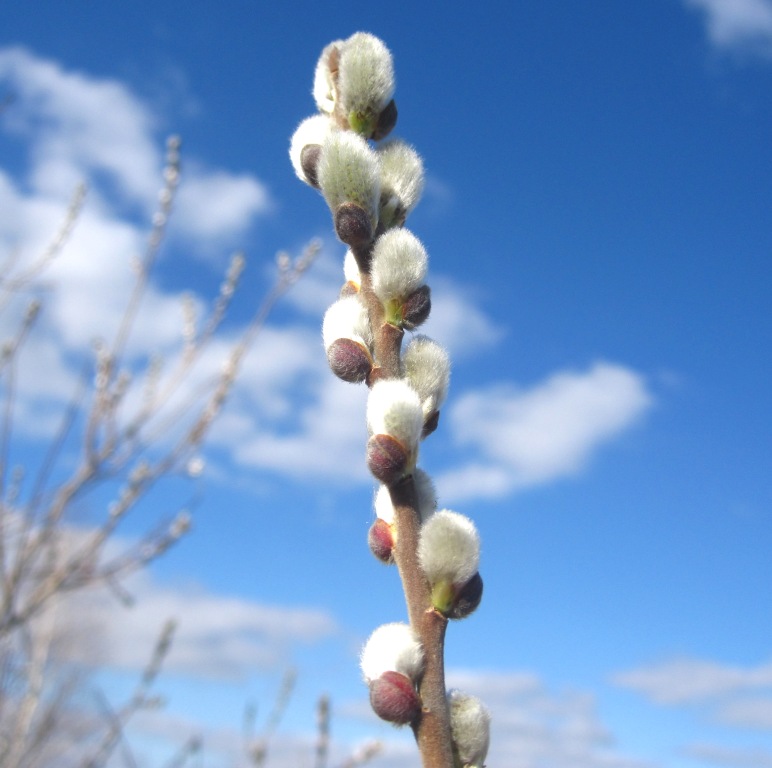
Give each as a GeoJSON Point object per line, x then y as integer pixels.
{"type": "Point", "coordinates": [432, 728]}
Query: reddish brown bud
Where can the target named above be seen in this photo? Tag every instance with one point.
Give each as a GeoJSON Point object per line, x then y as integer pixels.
{"type": "Point", "coordinates": [394, 699]}
{"type": "Point", "coordinates": [386, 121]}
{"type": "Point", "coordinates": [386, 458]}
{"type": "Point", "coordinates": [309, 162]}
{"type": "Point", "coordinates": [467, 599]}
{"type": "Point", "coordinates": [352, 225]}
{"type": "Point", "coordinates": [417, 307]}
{"type": "Point", "coordinates": [349, 360]}
{"type": "Point", "coordinates": [381, 541]}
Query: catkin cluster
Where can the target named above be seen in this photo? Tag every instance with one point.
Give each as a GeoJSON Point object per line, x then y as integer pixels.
{"type": "Point", "coordinates": [371, 186]}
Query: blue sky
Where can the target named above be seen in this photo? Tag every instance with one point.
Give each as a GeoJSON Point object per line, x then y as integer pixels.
{"type": "Point", "coordinates": [597, 217]}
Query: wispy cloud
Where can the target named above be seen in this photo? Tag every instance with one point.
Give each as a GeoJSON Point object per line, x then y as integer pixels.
{"type": "Point", "coordinates": [729, 757]}
{"type": "Point", "coordinates": [71, 128]}
{"type": "Point", "coordinates": [219, 637]}
{"type": "Point", "coordinates": [81, 128]}
{"type": "Point", "coordinates": [533, 436]}
{"type": "Point", "coordinates": [534, 725]}
{"type": "Point", "coordinates": [217, 208]}
{"type": "Point", "coordinates": [457, 321]}
{"type": "Point", "coordinates": [686, 681]}
{"type": "Point", "coordinates": [731, 695]}
{"type": "Point", "coordinates": [742, 26]}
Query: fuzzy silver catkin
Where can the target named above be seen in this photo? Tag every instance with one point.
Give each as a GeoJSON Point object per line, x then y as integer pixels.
{"type": "Point", "coordinates": [366, 74]}
{"type": "Point", "coordinates": [402, 179]}
{"type": "Point", "coordinates": [324, 90]}
{"type": "Point", "coordinates": [470, 724]}
{"type": "Point", "coordinates": [399, 265]}
{"type": "Point", "coordinates": [313, 130]}
{"type": "Point", "coordinates": [427, 368]}
{"type": "Point", "coordinates": [349, 172]}
{"type": "Point", "coordinates": [394, 408]}
{"type": "Point", "coordinates": [392, 648]}
{"type": "Point", "coordinates": [449, 548]}
{"type": "Point", "coordinates": [346, 319]}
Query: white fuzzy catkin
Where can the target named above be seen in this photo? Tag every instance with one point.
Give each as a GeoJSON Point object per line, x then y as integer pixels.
{"type": "Point", "coordinates": [426, 498]}
{"type": "Point", "coordinates": [427, 368]}
{"type": "Point", "coordinates": [366, 74]}
{"type": "Point", "coordinates": [470, 724]}
{"type": "Point", "coordinates": [346, 319]}
{"type": "Point", "coordinates": [402, 178]}
{"type": "Point", "coordinates": [313, 130]}
{"type": "Point", "coordinates": [392, 648]}
{"type": "Point", "coordinates": [394, 408]}
{"type": "Point", "coordinates": [399, 265]}
{"type": "Point", "coordinates": [449, 548]}
{"type": "Point", "coordinates": [324, 87]}
{"type": "Point", "coordinates": [349, 172]}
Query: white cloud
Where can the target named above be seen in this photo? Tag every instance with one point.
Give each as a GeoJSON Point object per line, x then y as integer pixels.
{"type": "Point", "coordinates": [694, 681]}
{"type": "Point", "coordinates": [528, 437]}
{"type": "Point", "coordinates": [218, 637]}
{"type": "Point", "coordinates": [321, 285]}
{"type": "Point", "coordinates": [218, 206]}
{"type": "Point", "coordinates": [738, 25]}
{"type": "Point", "coordinates": [80, 125]}
{"type": "Point", "coordinates": [729, 757]}
{"type": "Point", "coordinates": [87, 129]}
{"type": "Point", "coordinates": [224, 747]}
{"type": "Point", "coordinates": [73, 128]}
{"type": "Point", "coordinates": [328, 442]}
{"type": "Point", "coordinates": [456, 320]}
{"type": "Point", "coordinates": [733, 696]}
{"type": "Point", "coordinates": [747, 712]}
{"type": "Point", "coordinates": [532, 725]}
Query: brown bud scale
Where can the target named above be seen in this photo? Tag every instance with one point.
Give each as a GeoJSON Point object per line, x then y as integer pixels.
{"type": "Point", "coordinates": [309, 162]}
{"type": "Point", "coordinates": [352, 225]}
{"type": "Point", "coordinates": [417, 307]}
{"type": "Point", "coordinates": [381, 541]}
{"type": "Point", "coordinates": [386, 121]}
{"type": "Point", "coordinates": [386, 458]}
{"type": "Point", "coordinates": [467, 599]}
{"type": "Point", "coordinates": [349, 360]}
{"type": "Point", "coordinates": [394, 699]}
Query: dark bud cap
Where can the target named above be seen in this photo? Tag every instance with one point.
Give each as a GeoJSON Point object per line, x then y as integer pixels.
{"type": "Point", "coordinates": [352, 225]}
{"type": "Point", "coordinates": [386, 458]}
{"type": "Point", "coordinates": [394, 699]}
{"type": "Point", "coordinates": [467, 599]}
{"type": "Point", "coordinates": [309, 162]}
{"type": "Point", "coordinates": [349, 360]}
{"type": "Point", "coordinates": [381, 541]}
{"type": "Point", "coordinates": [417, 307]}
{"type": "Point", "coordinates": [386, 121]}
{"type": "Point", "coordinates": [431, 424]}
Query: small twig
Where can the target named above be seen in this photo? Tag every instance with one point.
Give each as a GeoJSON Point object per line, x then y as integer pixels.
{"type": "Point", "coordinates": [10, 286]}
{"type": "Point", "coordinates": [322, 731]}
{"type": "Point", "coordinates": [139, 699]}
{"type": "Point", "coordinates": [258, 749]}
{"type": "Point", "coordinates": [363, 755]}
